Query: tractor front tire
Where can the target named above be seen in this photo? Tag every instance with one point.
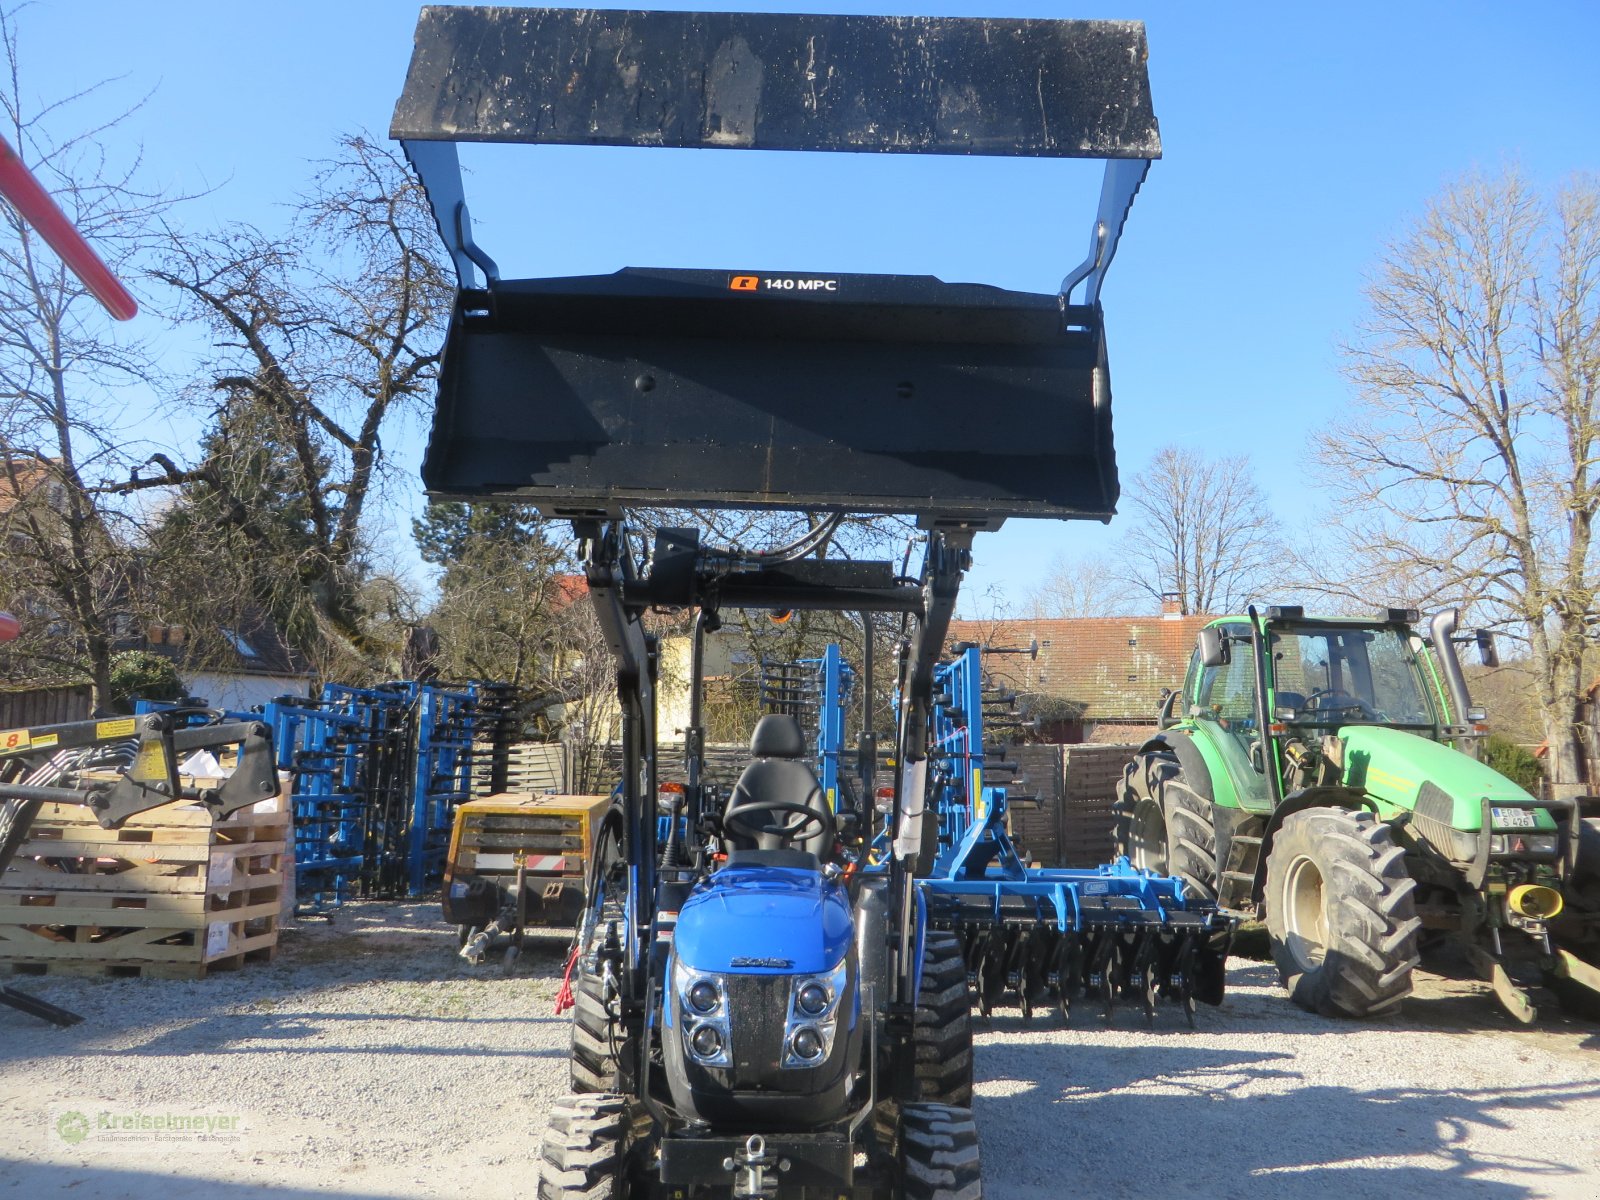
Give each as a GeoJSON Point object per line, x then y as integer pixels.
{"type": "Point", "coordinates": [938, 1154]}
{"type": "Point", "coordinates": [943, 1030]}
{"type": "Point", "coordinates": [1340, 913]}
{"type": "Point", "coordinates": [585, 1153]}
{"type": "Point", "coordinates": [1163, 825]}
{"type": "Point", "coordinates": [941, 1041]}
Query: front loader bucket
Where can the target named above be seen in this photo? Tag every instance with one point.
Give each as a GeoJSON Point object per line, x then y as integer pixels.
{"type": "Point", "coordinates": [761, 388]}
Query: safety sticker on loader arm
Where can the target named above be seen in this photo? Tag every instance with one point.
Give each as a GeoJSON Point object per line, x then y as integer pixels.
{"type": "Point", "coordinates": [781, 283]}
{"type": "Point", "coordinates": [12, 740]}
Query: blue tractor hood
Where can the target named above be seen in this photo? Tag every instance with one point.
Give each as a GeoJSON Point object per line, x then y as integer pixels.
{"type": "Point", "coordinates": [759, 920]}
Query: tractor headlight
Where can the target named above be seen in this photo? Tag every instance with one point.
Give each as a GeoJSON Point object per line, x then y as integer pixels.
{"type": "Point", "coordinates": [1524, 843]}
{"type": "Point", "coordinates": [814, 1016]}
{"type": "Point", "coordinates": [812, 998]}
{"type": "Point", "coordinates": [703, 1010]}
{"type": "Point", "coordinates": [703, 996]}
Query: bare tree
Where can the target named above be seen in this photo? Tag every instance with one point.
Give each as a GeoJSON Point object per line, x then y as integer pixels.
{"type": "Point", "coordinates": [326, 331]}
{"type": "Point", "coordinates": [69, 571]}
{"type": "Point", "coordinates": [1090, 586]}
{"type": "Point", "coordinates": [1471, 447]}
{"type": "Point", "coordinates": [1205, 531]}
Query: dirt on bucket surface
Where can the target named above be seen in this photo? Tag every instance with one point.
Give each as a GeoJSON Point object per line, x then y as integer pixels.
{"type": "Point", "coordinates": [370, 1060]}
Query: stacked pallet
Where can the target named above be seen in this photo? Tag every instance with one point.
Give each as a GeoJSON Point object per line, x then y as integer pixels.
{"type": "Point", "coordinates": [1091, 778]}
{"type": "Point", "coordinates": [1035, 803]}
{"type": "Point", "coordinates": [532, 768]}
{"type": "Point", "coordinates": [169, 895]}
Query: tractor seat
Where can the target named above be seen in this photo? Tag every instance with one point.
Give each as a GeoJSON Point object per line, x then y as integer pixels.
{"type": "Point", "coordinates": [777, 772]}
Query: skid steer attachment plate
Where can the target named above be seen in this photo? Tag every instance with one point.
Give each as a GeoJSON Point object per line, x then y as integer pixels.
{"type": "Point", "coordinates": [776, 388]}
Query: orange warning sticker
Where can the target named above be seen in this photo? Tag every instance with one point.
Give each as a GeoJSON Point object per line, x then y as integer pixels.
{"type": "Point", "coordinates": [744, 283]}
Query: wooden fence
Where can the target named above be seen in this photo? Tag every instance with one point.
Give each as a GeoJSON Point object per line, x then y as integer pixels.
{"type": "Point", "coordinates": [43, 706]}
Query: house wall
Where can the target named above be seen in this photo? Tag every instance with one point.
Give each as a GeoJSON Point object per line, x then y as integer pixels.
{"type": "Point", "coordinates": [242, 692]}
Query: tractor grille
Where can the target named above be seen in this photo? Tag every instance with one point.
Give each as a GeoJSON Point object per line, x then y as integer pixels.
{"type": "Point", "coordinates": [758, 1006]}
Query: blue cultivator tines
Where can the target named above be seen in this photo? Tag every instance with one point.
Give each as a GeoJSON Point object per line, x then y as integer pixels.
{"type": "Point", "coordinates": [817, 693]}
{"type": "Point", "coordinates": [1037, 936]}
{"type": "Point", "coordinates": [442, 725]}
{"type": "Point", "coordinates": [377, 776]}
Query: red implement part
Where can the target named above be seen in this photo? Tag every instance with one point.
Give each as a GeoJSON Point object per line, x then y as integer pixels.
{"type": "Point", "coordinates": [24, 193]}
{"type": "Point", "coordinates": [10, 627]}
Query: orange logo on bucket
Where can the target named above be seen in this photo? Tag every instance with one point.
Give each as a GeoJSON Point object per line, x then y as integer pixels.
{"type": "Point", "coordinates": [743, 283]}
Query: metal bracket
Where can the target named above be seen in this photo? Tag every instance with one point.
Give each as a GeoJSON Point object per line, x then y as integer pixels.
{"type": "Point", "coordinates": [750, 1167]}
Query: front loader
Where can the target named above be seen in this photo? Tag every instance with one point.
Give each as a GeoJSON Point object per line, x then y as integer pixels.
{"type": "Point", "coordinates": [1323, 773]}
{"type": "Point", "coordinates": [756, 1015]}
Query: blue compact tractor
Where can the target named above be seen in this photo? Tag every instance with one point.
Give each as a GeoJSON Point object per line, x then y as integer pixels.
{"type": "Point", "coordinates": [761, 1009]}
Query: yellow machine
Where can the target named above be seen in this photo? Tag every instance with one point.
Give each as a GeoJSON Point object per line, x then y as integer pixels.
{"type": "Point", "coordinates": [516, 861]}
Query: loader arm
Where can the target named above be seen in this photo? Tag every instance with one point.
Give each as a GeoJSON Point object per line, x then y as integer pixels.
{"type": "Point", "coordinates": [121, 766]}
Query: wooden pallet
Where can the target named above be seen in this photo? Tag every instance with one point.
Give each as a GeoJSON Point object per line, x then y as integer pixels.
{"type": "Point", "coordinates": [168, 895]}
{"type": "Point", "coordinates": [1091, 782]}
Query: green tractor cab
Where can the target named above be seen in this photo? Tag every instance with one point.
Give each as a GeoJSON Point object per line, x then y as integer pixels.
{"type": "Point", "coordinates": [1322, 773]}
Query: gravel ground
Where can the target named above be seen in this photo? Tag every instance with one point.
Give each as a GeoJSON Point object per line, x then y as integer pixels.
{"type": "Point", "coordinates": [369, 1061]}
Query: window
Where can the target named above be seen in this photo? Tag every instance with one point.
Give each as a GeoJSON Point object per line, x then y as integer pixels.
{"type": "Point", "coordinates": [1227, 694]}
{"type": "Point", "coordinates": [239, 644]}
{"type": "Point", "coordinates": [1342, 675]}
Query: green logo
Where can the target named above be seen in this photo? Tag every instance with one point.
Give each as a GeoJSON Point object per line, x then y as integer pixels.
{"type": "Point", "coordinates": [73, 1127]}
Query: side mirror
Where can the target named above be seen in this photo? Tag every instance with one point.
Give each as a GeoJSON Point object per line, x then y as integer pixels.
{"type": "Point", "coordinates": [1487, 654]}
{"type": "Point", "coordinates": [1169, 702]}
{"type": "Point", "coordinates": [1213, 647]}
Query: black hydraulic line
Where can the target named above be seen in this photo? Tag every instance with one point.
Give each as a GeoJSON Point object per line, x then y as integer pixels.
{"type": "Point", "coordinates": [868, 744]}
{"type": "Point", "coordinates": [1269, 744]}
{"type": "Point", "coordinates": [608, 570]}
{"type": "Point", "coordinates": [946, 562]}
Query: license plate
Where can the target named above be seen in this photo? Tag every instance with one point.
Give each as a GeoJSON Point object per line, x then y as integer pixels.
{"type": "Point", "coordinates": [1513, 818]}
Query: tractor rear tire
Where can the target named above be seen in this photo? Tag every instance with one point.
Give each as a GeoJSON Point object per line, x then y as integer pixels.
{"type": "Point", "coordinates": [1577, 929]}
{"type": "Point", "coordinates": [585, 1153]}
{"type": "Point", "coordinates": [1340, 913]}
{"type": "Point", "coordinates": [1163, 825]}
{"type": "Point", "coordinates": [943, 1031]}
{"type": "Point", "coordinates": [600, 1050]}
{"type": "Point", "coordinates": [597, 1039]}
{"type": "Point", "coordinates": [938, 1154]}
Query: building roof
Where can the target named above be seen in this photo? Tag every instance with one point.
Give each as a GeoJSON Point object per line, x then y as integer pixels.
{"type": "Point", "coordinates": [570, 589]}
{"type": "Point", "coordinates": [1109, 668]}
{"type": "Point", "coordinates": [253, 645]}
{"type": "Point", "coordinates": [20, 474]}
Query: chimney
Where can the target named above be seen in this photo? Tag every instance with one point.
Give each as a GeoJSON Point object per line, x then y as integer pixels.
{"type": "Point", "coordinates": [1171, 606]}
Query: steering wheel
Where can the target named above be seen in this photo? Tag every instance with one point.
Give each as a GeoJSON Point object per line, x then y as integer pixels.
{"type": "Point", "coordinates": [740, 819]}
{"type": "Point", "coordinates": [1336, 699]}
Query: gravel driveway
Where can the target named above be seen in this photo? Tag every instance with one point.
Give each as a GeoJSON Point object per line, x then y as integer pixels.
{"type": "Point", "coordinates": [368, 1060]}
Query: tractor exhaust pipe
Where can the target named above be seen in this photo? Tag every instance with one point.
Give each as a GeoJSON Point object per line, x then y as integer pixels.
{"type": "Point", "coordinates": [1441, 631]}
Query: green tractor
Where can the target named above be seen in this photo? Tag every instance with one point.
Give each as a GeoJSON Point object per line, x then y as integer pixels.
{"type": "Point", "coordinates": [1323, 774]}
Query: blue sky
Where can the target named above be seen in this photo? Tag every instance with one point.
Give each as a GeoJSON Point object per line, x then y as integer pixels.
{"type": "Point", "coordinates": [1298, 138]}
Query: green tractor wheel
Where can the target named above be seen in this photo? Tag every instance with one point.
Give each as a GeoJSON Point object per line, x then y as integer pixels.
{"type": "Point", "coordinates": [1340, 913]}
{"type": "Point", "coordinates": [1163, 825]}
{"type": "Point", "coordinates": [1578, 928]}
